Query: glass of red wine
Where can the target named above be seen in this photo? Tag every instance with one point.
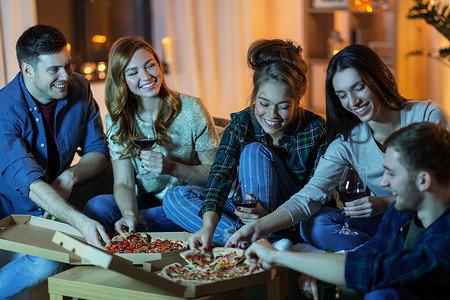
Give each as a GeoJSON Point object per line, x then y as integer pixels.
{"type": "Point", "coordinates": [144, 136]}
{"type": "Point", "coordinates": [245, 195]}
{"type": "Point", "coordinates": [351, 187]}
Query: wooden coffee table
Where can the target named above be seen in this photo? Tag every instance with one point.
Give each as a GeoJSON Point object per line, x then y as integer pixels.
{"type": "Point", "coordinates": [89, 282]}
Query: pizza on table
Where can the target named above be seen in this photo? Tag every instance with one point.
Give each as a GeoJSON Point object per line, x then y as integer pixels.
{"type": "Point", "coordinates": [202, 267]}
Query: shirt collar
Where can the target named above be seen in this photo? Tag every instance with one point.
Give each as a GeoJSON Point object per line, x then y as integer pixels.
{"type": "Point", "coordinates": [30, 101]}
{"type": "Point", "coordinates": [31, 104]}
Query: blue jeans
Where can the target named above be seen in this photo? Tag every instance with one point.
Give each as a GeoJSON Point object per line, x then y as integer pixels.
{"type": "Point", "coordinates": [104, 209]}
{"type": "Point", "coordinates": [276, 185]}
{"type": "Point", "coordinates": [319, 230]}
{"type": "Point", "coordinates": [26, 272]}
{"type": "Point", "coordinates": [395, 293]}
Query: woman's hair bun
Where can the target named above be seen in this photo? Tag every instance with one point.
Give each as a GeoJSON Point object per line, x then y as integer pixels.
{"type": "Point", "coordinates": [264, 52]}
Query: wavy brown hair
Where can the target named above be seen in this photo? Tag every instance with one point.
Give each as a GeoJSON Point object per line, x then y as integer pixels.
{"type": "Point", "coordinates": [122, 103]}
{"type": "Point", "coordinates": [280, 61]}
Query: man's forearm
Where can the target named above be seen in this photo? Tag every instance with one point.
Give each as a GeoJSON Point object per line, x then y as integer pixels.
{"type": "Point", "coordinates": [329, 267]}
{"type": "Point", "coordinates": [48, 198]}
{"type": "Point", "coordinates": [89, 166]}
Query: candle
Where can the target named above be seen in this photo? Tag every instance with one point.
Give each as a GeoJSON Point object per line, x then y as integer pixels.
{"type": "Point", "coordinates": [167, 50]}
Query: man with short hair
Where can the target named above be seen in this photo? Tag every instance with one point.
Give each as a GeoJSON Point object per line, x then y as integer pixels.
{"type": "Point", "coordinates": [409, 257]}
{"type": "Point", "coordinates": [47, 112]}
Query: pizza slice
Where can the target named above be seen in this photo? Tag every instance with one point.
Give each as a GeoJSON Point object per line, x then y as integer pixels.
{"type": "Point", "coordinates": [187, 274]}
{"type": "Point", "coordinates": [133, 237]}
{"type": "Point", "coordinates": [226, 258]}
{"type": "Point", "coordinates": [197, 258]}
{"type": "Point", "coordinates": [161, 245]}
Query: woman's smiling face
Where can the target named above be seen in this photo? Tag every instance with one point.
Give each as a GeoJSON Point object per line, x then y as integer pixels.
{"type": "Point", "coordinates": [356, 96]}
{"type": "Point", "coordinates": [274, 108]}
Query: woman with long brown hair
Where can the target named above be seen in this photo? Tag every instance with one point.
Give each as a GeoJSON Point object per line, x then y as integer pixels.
{"type": "Point", "coordinates": [274, 141]}
{"type": "Point", "coordinates": [140, 103]}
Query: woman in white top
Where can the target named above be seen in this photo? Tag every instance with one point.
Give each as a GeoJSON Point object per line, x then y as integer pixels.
{"type": "Point", "coordinates": [137, 97]}
{"type": "Point", "coordinates": [363, 108]}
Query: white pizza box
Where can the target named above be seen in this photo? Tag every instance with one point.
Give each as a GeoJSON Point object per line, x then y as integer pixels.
{"type": "Point", "coordinates": [150, 271]}
{"type": "Point", "coordinates": [33, 235]}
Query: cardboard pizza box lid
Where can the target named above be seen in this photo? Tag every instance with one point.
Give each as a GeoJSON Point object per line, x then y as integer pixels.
{"type": "Point", "coordinates": [32, 235]}
{"type": "Point", "coordinates": [115, 263]}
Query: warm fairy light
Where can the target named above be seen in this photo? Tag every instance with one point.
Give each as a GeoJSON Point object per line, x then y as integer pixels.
{"type": "Point", "coordinates": [102, 75]}
{"type": "Point", "coordinates": [369, 8]}
{"type": "Point", "coordinates": [69, 46]}
{"type": "Point", "coordinates": [335, 51]}
{"type": "Point", "coordinates": [101, 67]}
{"type": "Point", "coordinates": [99, 39]}
{"type": "Point", "coordinates": [88, 70]}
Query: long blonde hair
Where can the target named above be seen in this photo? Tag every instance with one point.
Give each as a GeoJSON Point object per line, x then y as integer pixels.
{"type": "Point", "coordinates": [122, 103]}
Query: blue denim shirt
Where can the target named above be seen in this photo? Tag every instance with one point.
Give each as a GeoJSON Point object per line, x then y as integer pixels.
{"type": "Point", "coordinates": [23, 149]}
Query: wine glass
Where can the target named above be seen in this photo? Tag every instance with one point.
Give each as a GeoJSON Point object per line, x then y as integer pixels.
{"type": "Point", "coordinates": [144, 137]}
{"type": "Point", "coordinates": [351, 187]}
{"type": "Point", "coordinates": [245, 195]}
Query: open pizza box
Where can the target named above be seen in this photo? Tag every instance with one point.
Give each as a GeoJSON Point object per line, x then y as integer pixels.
{"type": "Point", "coordinates": [150, 273]}
{"type": "Point", "coordinates": [33, 235]}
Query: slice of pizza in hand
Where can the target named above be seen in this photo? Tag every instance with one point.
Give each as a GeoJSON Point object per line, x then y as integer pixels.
{"type": "Point", "coordinates": [197, 258]}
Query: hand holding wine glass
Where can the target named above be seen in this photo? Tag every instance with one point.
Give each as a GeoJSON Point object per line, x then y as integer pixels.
{"type": "Point", "coordinates": [246, 195]}
{"type": "Point", "coordinates": [145, 139]}
{"type": "Point", "coordinates": [351, 187]}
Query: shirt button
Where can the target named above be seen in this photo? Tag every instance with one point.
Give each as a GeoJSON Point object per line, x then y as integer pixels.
{"type": "Point", "coordinates": [37, 119]}
{"type": "Point", "coordinates": [42, 145]}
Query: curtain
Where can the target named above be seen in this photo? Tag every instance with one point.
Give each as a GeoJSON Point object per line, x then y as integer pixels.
{"type": "Point", "coordinates": [15, 17]}
{"type": "Point", "coordinates": [210, 39]}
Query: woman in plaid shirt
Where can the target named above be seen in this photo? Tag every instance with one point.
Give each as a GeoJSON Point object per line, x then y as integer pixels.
{"type": "Point", "coordinates": [274, 141]}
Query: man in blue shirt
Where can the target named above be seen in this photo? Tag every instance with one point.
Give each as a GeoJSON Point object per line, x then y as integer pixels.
{"type": "Point", "coordinates": [409, 257]}
{"type": "Point", "coordinates": [47, 112]}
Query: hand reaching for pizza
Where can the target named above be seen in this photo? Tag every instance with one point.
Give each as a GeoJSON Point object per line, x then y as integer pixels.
{"type": "Point", "coordinates": [248, 215]}
{"type": "Point", "coordinates": [243, 237]}
{"type": "Point", "coordinates": [261, 251]}
{"type": "Point", "coordinates": [92, 231]}
{"type": "Point", "coordinates": [200, 240]}
{"type": "Point", "coordinates": [126, 224]}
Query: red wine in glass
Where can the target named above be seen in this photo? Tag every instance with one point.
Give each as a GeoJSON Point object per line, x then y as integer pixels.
{"type": "Point", "coordinates": [249, 188]}
{"type": "Point", "coordinates": [351, 195]}
{"type": "Point", "coordinates": [144, 144]}
{"type": "Point", "coordinates": [351, 187]}
{"type": "Point", "coordinates": [145, 140]}
{"type": "Point", "coordinates": [249, 203]}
